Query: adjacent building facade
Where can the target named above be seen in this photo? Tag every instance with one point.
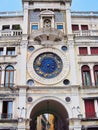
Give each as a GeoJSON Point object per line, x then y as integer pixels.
{"type": "Point", "coordinates": [48, 64]}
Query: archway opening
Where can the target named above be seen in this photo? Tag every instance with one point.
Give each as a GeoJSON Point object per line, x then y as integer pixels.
{"type": "Point", "coordinates": [49, 115]}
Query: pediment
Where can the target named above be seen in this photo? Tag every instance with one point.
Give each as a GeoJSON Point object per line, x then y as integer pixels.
{"type": "Point", "coordinates": [47, 12]}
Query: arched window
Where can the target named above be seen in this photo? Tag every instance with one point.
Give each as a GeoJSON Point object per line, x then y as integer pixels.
{"type": "Point", "coordinates": [9, 76]}
{"type": "Point", "coordinates": [95, 69]}
{"type": "Point", "coordinates": [86, 77]}
{"type": "Point", "coordinates": [0, 75]}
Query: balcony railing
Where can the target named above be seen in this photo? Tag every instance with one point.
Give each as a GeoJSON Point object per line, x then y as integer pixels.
{"type": "Point", "coordinates": [89, 13]}
{"type": "Point", "coordinates": [86, 33]}
{"type": "Point", "coordinates": [6, 116]}
{"type": "Point", "coordinates": [52, 33]}
{"type": "Point", "coordinates": [3, 14]}
{"type": "Point", "coordinates": [10, 32]}
{"type": "Point", "coordinates": [7, 85]}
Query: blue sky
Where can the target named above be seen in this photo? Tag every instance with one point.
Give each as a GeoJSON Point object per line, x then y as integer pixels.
{"type": "Point", "coordinates": [85, 5]}
{"type": "Point", "coordinates": [77, 5]}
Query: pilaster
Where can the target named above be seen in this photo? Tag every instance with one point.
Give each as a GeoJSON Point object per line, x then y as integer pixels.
{"type": "Point", "coordinates": [22, 108]}
{"type": "Point", "coordinates": [92, 75]}
{"type": "Point", "coordinates": [4, 51]}
{"type": "Point", "coordinates": [25, 20]}
{"type": "Point", "coordinates": [96, 107]}
{"type": "Point", "coordinates": [22, 102]}
{"type": "Point", "coordinates": [75, 101]}
{"type": "Point", "coordinates": [2, 77]}
{"type": "Point", "coordinates": [21, 125]}
{"type": "Point", "coordinates": [68, 18]}
{"type": "Point", "coordinates": [0, 108]}
{"type": "Point", "coordinates": [22, 63]}
{"type": "Point", "coordinates": [83, 109]}
{"type": "Point", "coordinates": [72, 60]}
{"type": "Point", "coordinates": [52, 21]}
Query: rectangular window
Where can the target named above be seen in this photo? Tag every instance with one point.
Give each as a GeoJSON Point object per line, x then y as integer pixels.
{"type": "Point", "coordinates": [35, 27]}
{"type": "Point", "coordinates": [16, 27]}
{"type": "Point", "coordinates": [4, 27]}
{"type": "Point", "coordinates": [75, 27]}
{"type": "Point", "coordinates": [94, 50]}
{"type": "Point", "coordinates": [7, 109]}
{"type": "Point", "coordinates": [83, 51]}
{"type": "Point", "coordinates": [89, 108]}
{"type": "Point", "coordinates": [10, 51]}
{"type": "Point", "coordinates": [1, 51]}
{"type": "Point", "coordinates": [59, 26]}
{"type": "Point", "coordinates": [84, 27]}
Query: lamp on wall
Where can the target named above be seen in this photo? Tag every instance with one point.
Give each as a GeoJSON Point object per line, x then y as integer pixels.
{"type": "Point", "coordinates": [20, 119]}
{"type": "Point", "coordinates": [77, 111]}
{"type": "Point", "coordinates": [79, 115]}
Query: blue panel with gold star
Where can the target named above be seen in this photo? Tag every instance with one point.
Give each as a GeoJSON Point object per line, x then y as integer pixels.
{"type": "Point", "coordinates": [48, 65]}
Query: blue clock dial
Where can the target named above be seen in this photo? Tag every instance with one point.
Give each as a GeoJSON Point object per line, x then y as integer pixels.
{"type": "Point", "coordinates": [48, 65]}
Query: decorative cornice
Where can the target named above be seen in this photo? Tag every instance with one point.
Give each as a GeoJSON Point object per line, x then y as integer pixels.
{"type": "Point", "coordinates": [54, 87]}
{"type": "Point", "coordinates": [84, 14]}
{"type": "Point", "coordinates": [22, 87]}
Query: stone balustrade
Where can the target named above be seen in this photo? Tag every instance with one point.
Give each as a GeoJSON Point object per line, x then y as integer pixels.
{"type": "Point", "coordinates": [86, 33]}
{"type": "Point", "coordinates": [17, 13]}
{"type": "Point", "coordinates": [10, 33]}
{"type": "Point", "coordinates": [80, 13]}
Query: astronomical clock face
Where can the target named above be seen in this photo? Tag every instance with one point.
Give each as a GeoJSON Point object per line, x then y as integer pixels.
{"type": "Point", "coordinates": [48, 65]}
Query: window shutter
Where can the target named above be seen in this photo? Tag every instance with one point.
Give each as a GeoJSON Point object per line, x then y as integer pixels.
{"type": "Point", "coordinates": [95, 70]}
{"type": "Point", "coordinates": [89, 108]}
{"type": "Point", "coordinates": [75, 27]}
{"type": "Point", "coordinates": [83, 51]}
{"type": "Point", "coordinates": [94, 50]}
{"type": "Point", "coordinates": [84, 27]}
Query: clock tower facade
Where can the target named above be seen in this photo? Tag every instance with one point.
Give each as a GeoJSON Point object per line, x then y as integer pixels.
{"type": "Point", "coordinates": [50, 61]}
{"type": "Point", "coordinates": [48, 67]}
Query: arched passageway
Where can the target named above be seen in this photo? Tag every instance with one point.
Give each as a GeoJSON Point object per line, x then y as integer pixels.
{"type": "Point", "coordinates": [50, 107]}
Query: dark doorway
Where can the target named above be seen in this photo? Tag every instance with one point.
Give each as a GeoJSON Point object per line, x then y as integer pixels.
{"type": "Point", "coordinates": [47, 108]}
